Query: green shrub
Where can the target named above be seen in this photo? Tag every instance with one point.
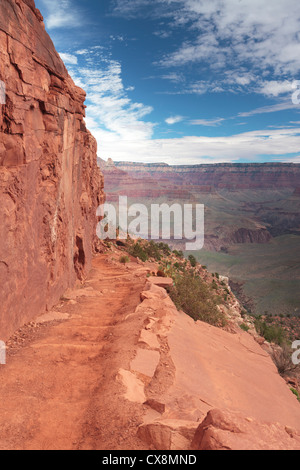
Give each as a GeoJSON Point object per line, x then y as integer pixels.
{"type": "Point", "coordinates": [196, 299]}
{"type": "Point", "coordinates": [152, 250]}
{"type": "Point", "coordinates": [177, 266]}
{"type": "Point", "coordinates": [245, 327]}
{"type": "Point", "coordinates": [124, 259]}
{"type": "Point", "coordinates": [272, 333]}
{"type": "Point", "coordinates": [164, 248]}
{"type": "Point", "coordinates": [179, 254]}
{"type": "Point", "coordinates": [137, 251]}
{"type": "Point", "coordinates": [193, 261]}
{"type": "Point", "coordinates": [295, 392]}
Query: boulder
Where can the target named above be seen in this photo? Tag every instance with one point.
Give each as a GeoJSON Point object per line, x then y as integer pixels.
{"type": "Point", "coordinates": [222, 430]}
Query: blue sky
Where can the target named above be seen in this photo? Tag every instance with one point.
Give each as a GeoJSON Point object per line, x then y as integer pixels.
{"type": "Point", "coordinates": [185, 81]}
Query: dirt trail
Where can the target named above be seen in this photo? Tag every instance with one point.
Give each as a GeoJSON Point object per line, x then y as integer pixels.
{"type": "Point", "coordinates": [59, 390]}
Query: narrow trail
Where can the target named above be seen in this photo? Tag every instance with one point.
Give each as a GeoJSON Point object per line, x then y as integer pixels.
{"type": "Point", "coordinates": [59, 390]}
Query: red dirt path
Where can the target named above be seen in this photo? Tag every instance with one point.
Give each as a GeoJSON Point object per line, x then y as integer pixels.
{"type": "Point", "coordinates": [58, 390]}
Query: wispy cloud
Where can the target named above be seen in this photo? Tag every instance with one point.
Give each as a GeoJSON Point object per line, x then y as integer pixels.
{"type": "Point", "coordinates": [163, 34]}
{"type": "Point", "coordinates": [69, 59]}
{"type": "Point", "coordinates": [173, 77]}
{"type": "Point", "coordinates": [174, 120]}
{"type": "Point", "coordinates": [229, 32]}
{"type": "Point", "coordinates": [111, 115]}
{"type": "Point", "coordinates": [264, 34]}
{"type": "Point", "coordinates": [283, 106]}
{"type": "Point", "coordinates": [61, 14]}
{"type": "Point", "coordinates": [207, 122]}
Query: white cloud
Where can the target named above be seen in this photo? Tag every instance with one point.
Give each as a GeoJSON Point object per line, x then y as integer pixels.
{"type": "Point", "coordinates": [111, 115]}
{"type": "Point", "coordinates": [117, 38]}
{"type": "Point", "coordinates": [61, 14]}
{"type": "Point", "coordinates": [248, 146]}
{"type": "Point", "coordinates": [283, 106]}
{"type": "Point", "coordinates": [129, 7]}
{"type": "Point", "coordinates": [173, 77]}
{"type": "Point", "coordinates": [207, 122]}
{"type": "Point", "coordinates": [174, 120]}
{"type": "Point", "coordinates": [68, 59]}
{"type": "Point", "coordinates": [276, 88]}
{"type": "Point", "coordinates": [162, 34]}
{"type": "Point", "coordinates": [82, 52]}
{"type": "Point", "coordinates": [232, 33]}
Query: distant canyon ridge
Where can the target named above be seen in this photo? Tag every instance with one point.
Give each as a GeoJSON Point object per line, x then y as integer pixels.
{"type": "Point", "coordinates": [252, 221]}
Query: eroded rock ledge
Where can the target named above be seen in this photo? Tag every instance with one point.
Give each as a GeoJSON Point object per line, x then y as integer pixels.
{"type": "Point", "coordinates": [50, 185]}
{"type": "Point", "coordinates": [205, 388]}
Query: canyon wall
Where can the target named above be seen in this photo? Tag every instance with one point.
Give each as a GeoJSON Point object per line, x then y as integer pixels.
{"type": "Point", "coordinates": [50, 184]}
{"type": "Point", "coordinates": [220, 176]}
{"type": "Point", "coordinates": [245, 203]}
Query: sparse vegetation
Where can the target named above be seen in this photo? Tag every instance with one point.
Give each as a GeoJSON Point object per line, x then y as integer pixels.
{"type": "Point", "coordinates": [192, 291]}
{"type": "Point", "coordinates": [193, 261]}
{"type": "Point", "coordinates": [145, 250]}
{"type": "Point", "coordinates": [245, 327]}
{"type": "Point", "coordinates": [271, 333]}
{"type": "Point", "coordinates": [192, 295]}
{"type": "Point", "coordinates": [137, 251]}
{"type": "Point", "coordinates": [295, 392]}
{"type": "Point", "coordinates": [179, 254]}
{"type": "Point", "coordinates": [283, 360]}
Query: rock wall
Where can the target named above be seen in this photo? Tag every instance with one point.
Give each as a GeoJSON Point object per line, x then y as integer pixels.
{"type": "Point", "coordinates": [50, 184]}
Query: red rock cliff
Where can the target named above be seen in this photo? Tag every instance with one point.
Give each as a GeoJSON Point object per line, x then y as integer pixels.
{"type": "Point", "coordinates": [50, 184]}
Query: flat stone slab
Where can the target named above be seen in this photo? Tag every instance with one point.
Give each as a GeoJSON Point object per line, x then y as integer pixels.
{"type": "Point", "coordinates": [134, 387]}
{"type": "Point", "coordinates": [161, 281]}
{"type": "Point", "coordinates": [145, 362]}
{"type": "Point", "coordinates": [150, 339]}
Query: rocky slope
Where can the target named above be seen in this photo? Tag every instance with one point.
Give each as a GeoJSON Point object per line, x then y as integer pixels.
{"type": "Point", "coordinates": [217, 396]}
{"type": "Point", "coordinates": [50, 185]}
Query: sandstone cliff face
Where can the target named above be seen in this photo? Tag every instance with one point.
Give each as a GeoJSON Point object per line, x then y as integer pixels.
{"type": "Point", "coordinates": [50, 185]}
